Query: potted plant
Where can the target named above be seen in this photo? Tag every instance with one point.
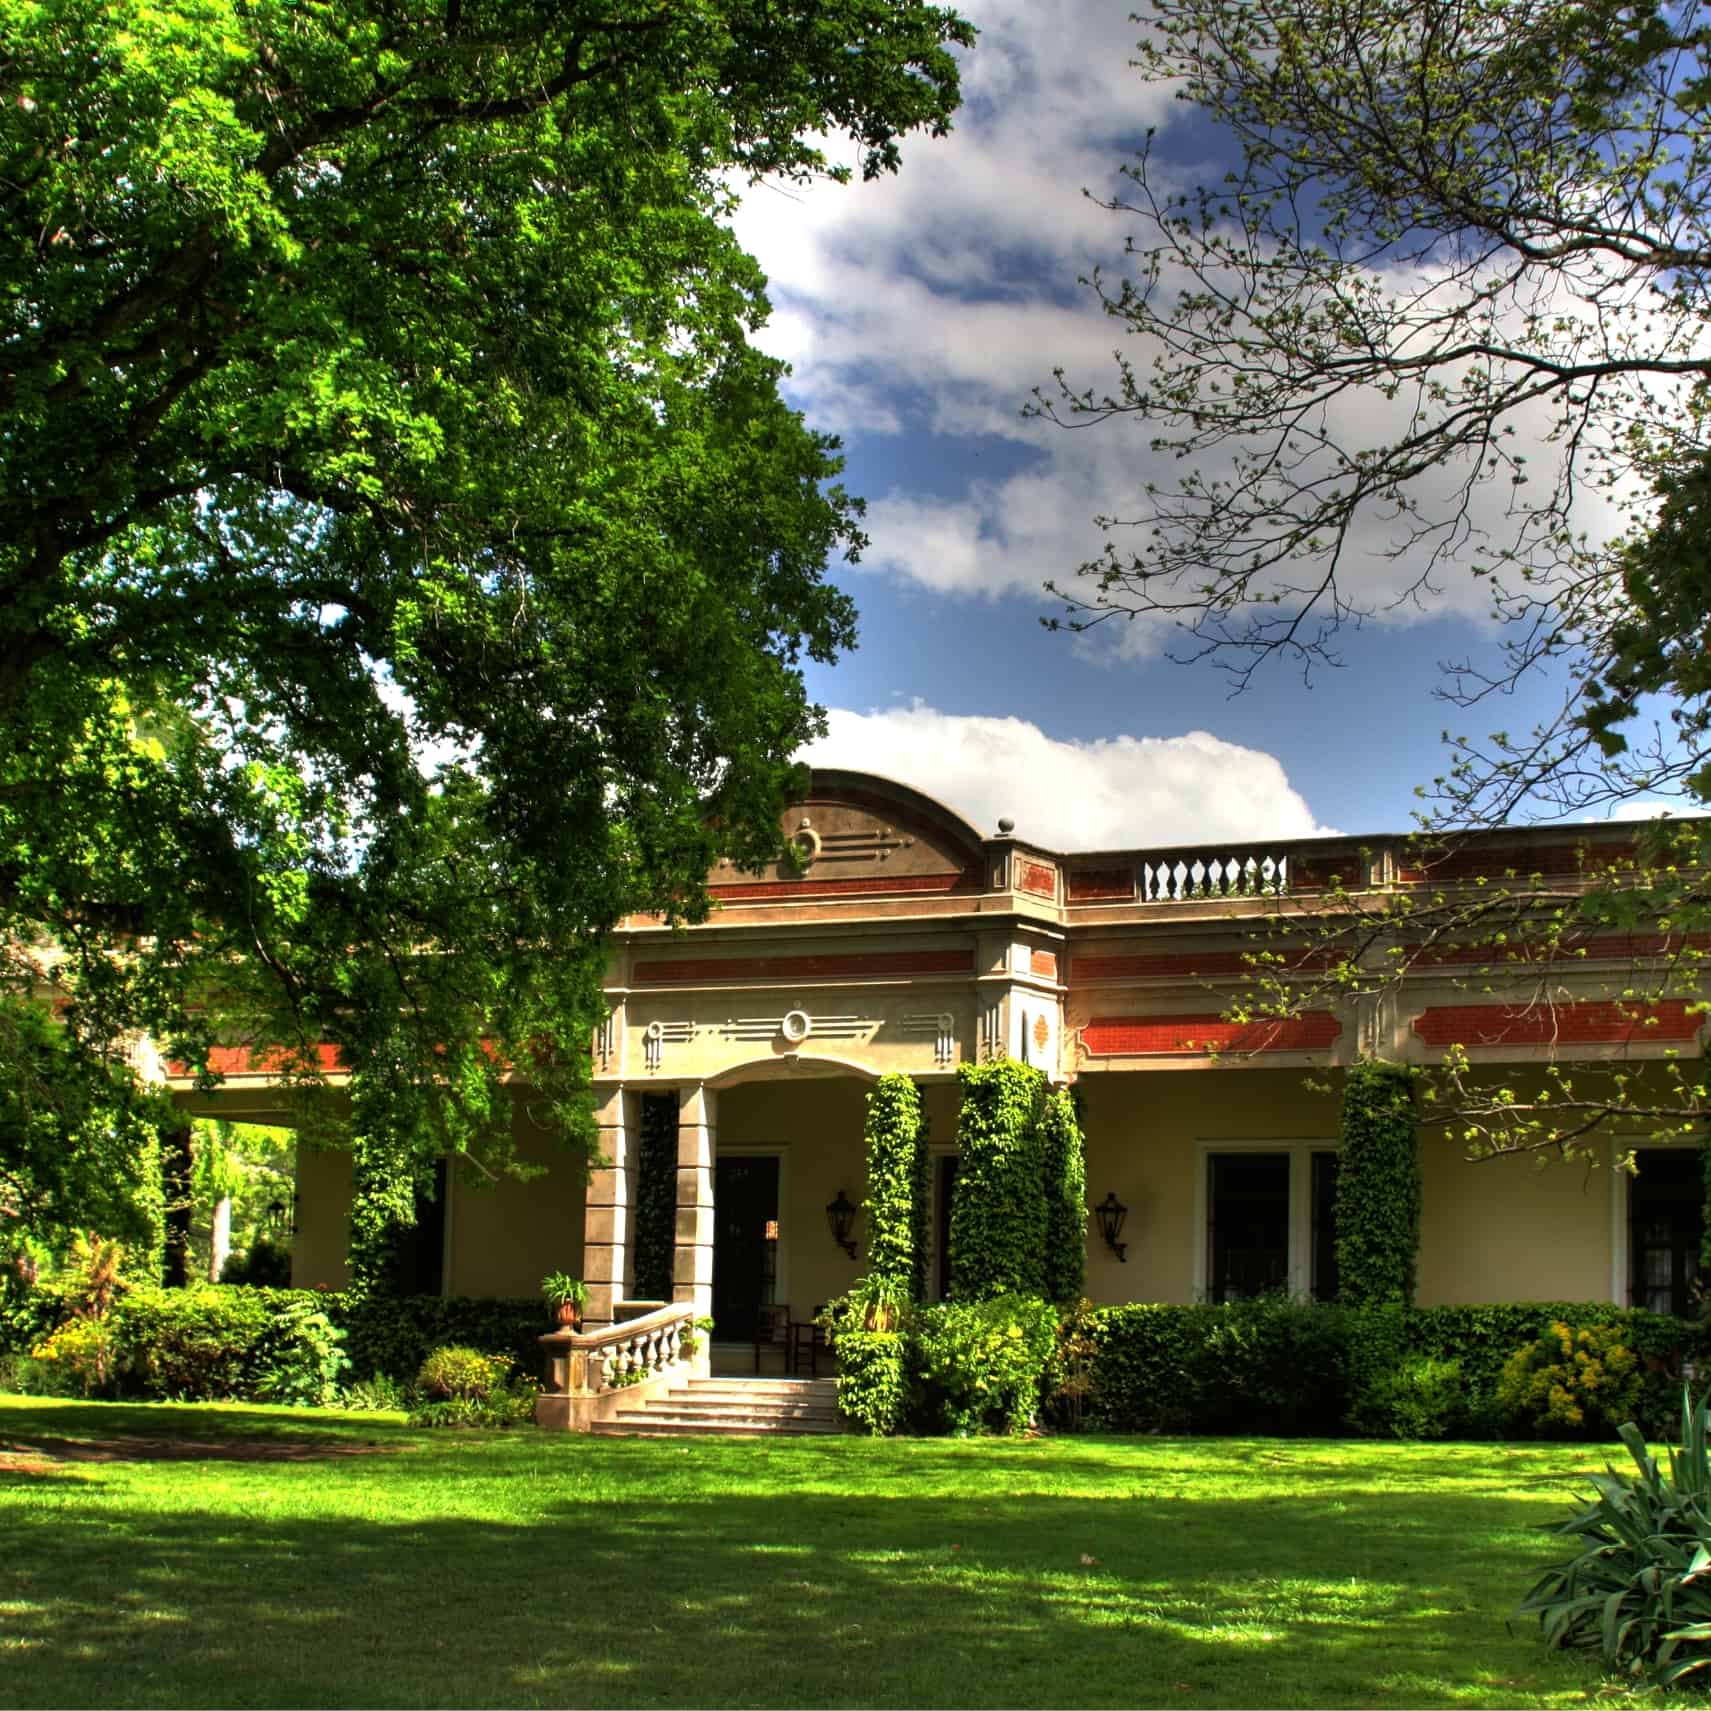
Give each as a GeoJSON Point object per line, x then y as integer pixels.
{"type": "Point", "coordinates": [565, 1298]}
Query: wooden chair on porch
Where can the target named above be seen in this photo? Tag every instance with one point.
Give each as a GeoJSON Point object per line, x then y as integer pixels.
{"type": "Point", "coordinates": [772, 1331]}
{"type": "Point", "coordinates": [807, 1341]}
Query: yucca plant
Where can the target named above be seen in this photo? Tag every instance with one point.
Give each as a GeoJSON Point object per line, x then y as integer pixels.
{"type": "Point", "coordinates": [1640, 1588]}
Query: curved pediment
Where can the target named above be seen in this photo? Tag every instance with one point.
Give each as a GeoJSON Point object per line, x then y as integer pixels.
{"type": "Point", "coordinates": [857, 834]}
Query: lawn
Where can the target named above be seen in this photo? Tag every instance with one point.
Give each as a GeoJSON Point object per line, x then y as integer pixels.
{"type": "Point", "coordinates": [248, 1556]}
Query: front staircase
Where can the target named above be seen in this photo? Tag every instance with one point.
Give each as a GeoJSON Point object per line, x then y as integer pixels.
{"type": "Point", "coordinates": [737, 1406]}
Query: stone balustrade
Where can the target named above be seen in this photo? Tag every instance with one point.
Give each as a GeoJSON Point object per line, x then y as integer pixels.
{"type": "Point", "coordinates": [588, 1372]}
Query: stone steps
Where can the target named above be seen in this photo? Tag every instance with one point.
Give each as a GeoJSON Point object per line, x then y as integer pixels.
{"type": "Point", "coordinates": [750, 1407]}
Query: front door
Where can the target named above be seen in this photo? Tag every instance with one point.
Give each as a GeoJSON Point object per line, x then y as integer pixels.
{"type": "Point", "coordinates": [745, 1244]}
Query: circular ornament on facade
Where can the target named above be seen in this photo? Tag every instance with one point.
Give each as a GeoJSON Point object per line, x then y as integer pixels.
{"type": "Point", "coordinates": [806, 842]}
{"type": "Point", "coordinates": [654, 1031]}
{"type": "Point", "coordinates": [796, 1026]}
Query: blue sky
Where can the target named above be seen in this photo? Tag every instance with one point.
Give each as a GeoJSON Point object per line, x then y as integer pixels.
{"type": "Point", "coordinates": [918, 313]}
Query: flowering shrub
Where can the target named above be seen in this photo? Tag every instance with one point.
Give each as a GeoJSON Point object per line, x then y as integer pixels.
{"type": "Point", "coordinates": [81, 1357]}
{"type": "Point", "coordinates": [463, 1387]}
{"type": "Point", "coordinates": [1571, 1383]}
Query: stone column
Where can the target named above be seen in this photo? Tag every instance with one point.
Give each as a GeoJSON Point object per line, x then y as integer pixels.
{"type": "Point", "coordinates": [606, 1215]}
{"type": "Point", "coordinates": [692, 1265]}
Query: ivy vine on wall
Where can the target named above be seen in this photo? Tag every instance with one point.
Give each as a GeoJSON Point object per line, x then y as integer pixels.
{"type": "Point", "coordinates": [1378, 1187]}
{"type": "Point", "coordinates": [656, 1197]}
{"type": "Point", "coordinates": [1063, 1156]}
{"type": "Point", "coordinates": [999, 1213]}
{"type": "Point", "coordinates": [897, 1168]}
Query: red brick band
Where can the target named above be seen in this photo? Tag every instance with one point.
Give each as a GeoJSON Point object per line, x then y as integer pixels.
{"type": "Point", "coordinates": [850, 964]}
{"type": "Point", "coordinates": [1153, 1036]}
{"type": "Point", "coordinates": [1589, 1023]}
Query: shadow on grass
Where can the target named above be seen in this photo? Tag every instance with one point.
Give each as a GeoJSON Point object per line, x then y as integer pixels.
{"type": "Point", "coordinates": [531, 1571]}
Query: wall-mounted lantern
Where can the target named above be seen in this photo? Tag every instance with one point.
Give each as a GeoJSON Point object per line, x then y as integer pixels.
{"type": "Point", "coordinates": [1111, 1212]}
{"type": "Point", "coordinates": [840, 1215]}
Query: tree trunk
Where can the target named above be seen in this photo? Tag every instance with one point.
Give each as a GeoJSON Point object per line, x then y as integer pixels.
{"type": "Point", "coordinates": [220, 1237]}
{"type": "Point", "coordinates": [175, 1164]}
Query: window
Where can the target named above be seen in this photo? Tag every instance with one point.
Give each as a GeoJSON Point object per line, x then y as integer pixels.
{"type": "Point", "coordinates": [1269, 1221]}
{"type": "Point", "coordinates": [1666, 1224]}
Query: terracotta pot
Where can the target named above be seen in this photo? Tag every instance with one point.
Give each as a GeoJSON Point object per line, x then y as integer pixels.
{"type": "Point", "coordinates": [570, 1315]}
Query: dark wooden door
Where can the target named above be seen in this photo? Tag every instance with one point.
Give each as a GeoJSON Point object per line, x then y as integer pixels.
{"type": "Point", "coordinates": [745, 1244]}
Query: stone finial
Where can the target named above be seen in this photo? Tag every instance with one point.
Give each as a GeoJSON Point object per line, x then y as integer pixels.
{"type": "Point", "coordinates": [1006, 827]}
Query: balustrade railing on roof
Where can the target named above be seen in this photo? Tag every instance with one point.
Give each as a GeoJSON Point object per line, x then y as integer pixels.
{"type": "Point", "coordinates": [1176, 876]}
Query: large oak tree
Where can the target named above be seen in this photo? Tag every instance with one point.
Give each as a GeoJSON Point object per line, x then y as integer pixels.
{"type": "Point", "coordinates": [405, 557]}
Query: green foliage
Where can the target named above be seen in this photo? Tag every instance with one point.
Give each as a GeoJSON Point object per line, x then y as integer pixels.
{"type": "Point", "coordinates": [1063, 1156]}
{"type": "Point", "coordinates": [252, 1167]}
{"type": "Point", "coordinates": [454, 1371]}
{"type": "Point", "coordinates": [381, 395]}
{"type": "Point", "coordinates": [656, 1197]}
{"type": "Point", "coordinates": [79, 1358]}
{"type": "Point", "coordinates": [999, 1213]}
{"type": "Point", "coordinates": [1269, 1365]}
{"type": "Point", "coordinates": [301, 1357]}
{"type": "Point", "coordinates": [897, 1173]}
{"type": "Point", "coordinates": [873, 1381]}
{"type": "Point", "coordinates": [980, 1365]}
{"type": "Point", "coordinates": [464, 1387]}
{"type": "Point", "coordinates": [78, 1133]}
{"type": "Point", "coordinates": [201, 1344]}
{"type": "Point", "coordinates": [377, 1395]}
{"type": "Point", "coordinates": [1637, 1591]}
{"type": "Point", "coordinates": [1378, 1187]}
{"type": "Point", "coordinates": [1571, 1382]}
{"type": "Point", "coordinates": [559, 1289]}
{"type": "Point", "coordinates": [392, 1335]}
{"type": "Point", "coordinates": [262, 1265]}
{"type": "Point", "coordinates": [1420, 1398]}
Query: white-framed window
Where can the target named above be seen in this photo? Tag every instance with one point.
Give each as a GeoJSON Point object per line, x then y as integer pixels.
{"type": "Point", "coordinates": [1263, 1219]}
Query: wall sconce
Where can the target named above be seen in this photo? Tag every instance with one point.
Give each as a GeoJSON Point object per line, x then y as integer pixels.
{"type": "Point", "coordinates": [1111, 1212]}
{"type": "Point", "coordinates": [840, 1215]}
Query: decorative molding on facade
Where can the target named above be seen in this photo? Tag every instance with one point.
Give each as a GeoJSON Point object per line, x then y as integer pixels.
{"type": "Point", "coordinates": [1036, 878]}
{"type": "Point", "coordinates": [1099, 884]}
{"type": "Point", "coordinates": [940, 1025]}
{"type": "Point", "coordinates": [1159, 1036]}
{"type": "Point", "coordinates": [656, 1036]}
{"type": "Point", "coordinates": [796, 1025]}
{"type": "Point", "coordinates": [606, 1041]}
{"type": "Point", "coordinates": [991, 1036]}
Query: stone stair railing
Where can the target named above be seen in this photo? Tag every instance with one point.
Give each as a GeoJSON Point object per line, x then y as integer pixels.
{"type": "Point", "coordinates": [590, 1373]}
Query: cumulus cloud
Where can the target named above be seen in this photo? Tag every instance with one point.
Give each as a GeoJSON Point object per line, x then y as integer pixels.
{"type": "Point", "coordinates": [1113, 793]}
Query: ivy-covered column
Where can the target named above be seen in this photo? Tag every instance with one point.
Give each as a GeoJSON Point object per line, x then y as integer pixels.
{"type": "Point", "coordinates": [897, 1181]}
{"type": "Point", "coordinates": [1378, 1187]}
{"type": "Point", "coordinates": [692, 1261]}
{"type": "Point", "coordinates": [998, 1215]}
{"type": "Point", "coordinates": [606, 1215]}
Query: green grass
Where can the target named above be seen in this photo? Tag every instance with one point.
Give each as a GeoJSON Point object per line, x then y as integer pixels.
{"type": "Point", "coordinates": [250, 1556]}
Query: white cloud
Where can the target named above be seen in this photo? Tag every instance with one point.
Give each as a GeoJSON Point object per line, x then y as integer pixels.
{"type": "Point", "coordinates": [936, 300]}
{"type": "Point", "coordinates": [1113, 793]}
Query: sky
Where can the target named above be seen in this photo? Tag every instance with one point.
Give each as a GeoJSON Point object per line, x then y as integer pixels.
{"type": "Point", "coordinates": [918, 312]}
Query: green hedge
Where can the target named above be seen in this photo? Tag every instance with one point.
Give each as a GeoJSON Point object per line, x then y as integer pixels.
{"type": "Point", "coordinates": [1286, 1368]}
{"type": "Point", "coordinates": [214, 1342]}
